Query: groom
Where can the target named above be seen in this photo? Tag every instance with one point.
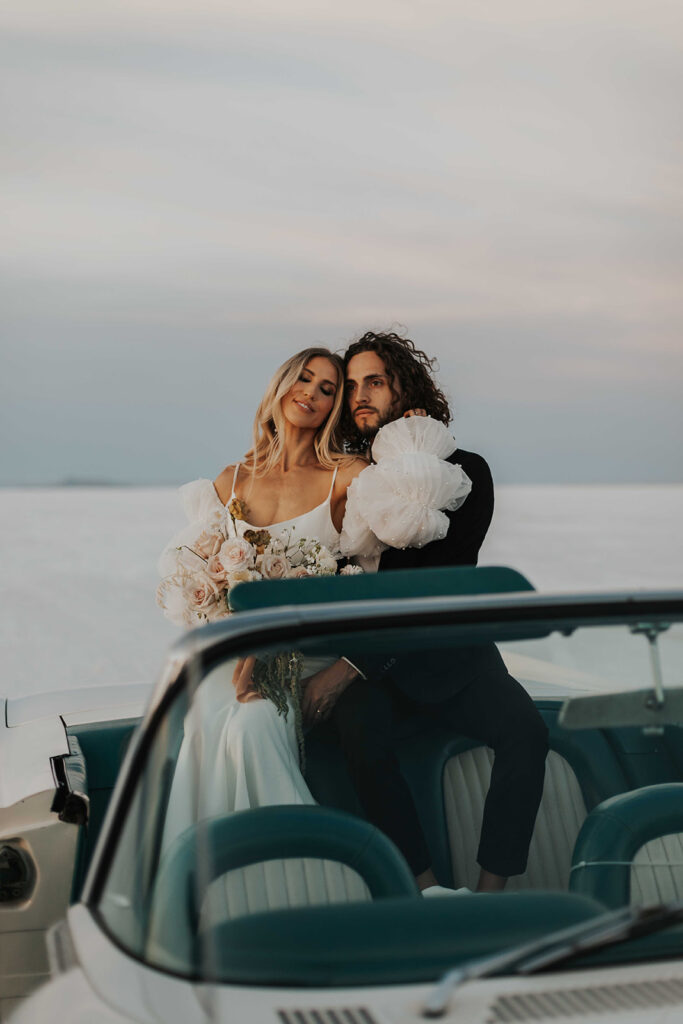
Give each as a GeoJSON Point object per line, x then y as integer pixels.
{"type": "Point", "coordinates": [368, 697]}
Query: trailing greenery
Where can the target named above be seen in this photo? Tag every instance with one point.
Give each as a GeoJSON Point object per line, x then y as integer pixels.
{"type": "Point", "coordinates": [277, 678]}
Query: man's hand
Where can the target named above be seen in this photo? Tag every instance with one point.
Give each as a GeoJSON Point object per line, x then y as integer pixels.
{"type": "Point", "coordinates": [323, 690]}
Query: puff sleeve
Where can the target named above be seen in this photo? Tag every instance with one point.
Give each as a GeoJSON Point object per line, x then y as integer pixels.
{"type": "Point", "coordinates": [399, 500]}
{"type": "Point", "coordinates": [201, 506]}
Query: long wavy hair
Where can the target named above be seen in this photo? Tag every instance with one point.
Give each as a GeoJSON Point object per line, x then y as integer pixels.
{"type": "Point", "coordinates": [406, 365]}
{"type": "Point", "coordinates": [269, 422]}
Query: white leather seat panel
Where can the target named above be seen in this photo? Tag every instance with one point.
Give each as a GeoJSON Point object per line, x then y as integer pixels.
{"type": "Point", "coordinates": [561, 814]}
{"type": "Point", "coordinates": [278, 884]}
{"type": "Point", "coordinates": [657, 871]}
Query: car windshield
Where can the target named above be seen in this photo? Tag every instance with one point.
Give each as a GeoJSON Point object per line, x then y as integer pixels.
{"type": "Point", "coordinates": [239, 848]}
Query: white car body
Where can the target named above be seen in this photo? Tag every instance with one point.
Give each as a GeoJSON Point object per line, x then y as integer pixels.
{"type": "Point", "coordinates": [95, 978]}
{"type": "Point", "coordinates": [32, 732]}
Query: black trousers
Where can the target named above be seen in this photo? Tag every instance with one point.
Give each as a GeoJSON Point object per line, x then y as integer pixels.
{"type": "Point", "coordinates": [493, 708]}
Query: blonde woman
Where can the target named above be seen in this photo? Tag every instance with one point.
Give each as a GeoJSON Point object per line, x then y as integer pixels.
{"type": "Point", "coordinates": [294, 481]}
{"type": "Point", "coordinates": [238, 752]}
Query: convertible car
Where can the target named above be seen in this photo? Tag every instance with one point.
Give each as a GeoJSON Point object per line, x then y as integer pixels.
{"type": "Point", "coordinates": [127, 895]}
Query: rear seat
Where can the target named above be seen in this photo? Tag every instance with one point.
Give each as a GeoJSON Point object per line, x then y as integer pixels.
{"type": "Point", "coordinates": [630, 848]}
{"type": "Point", "coordinates": [449, 777]}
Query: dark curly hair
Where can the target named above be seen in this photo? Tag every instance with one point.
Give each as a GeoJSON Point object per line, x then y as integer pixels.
{"type": "Point", "coordinates": [410, 367]}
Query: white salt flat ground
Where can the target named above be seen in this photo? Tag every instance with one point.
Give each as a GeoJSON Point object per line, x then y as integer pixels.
{"type": "Point", "coordinates": [78, 568]}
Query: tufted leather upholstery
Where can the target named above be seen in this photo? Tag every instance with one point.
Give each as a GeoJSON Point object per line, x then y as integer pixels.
{"type": "Point", "coordinates": [625, 834]}
{"type": "Point", "coordinates": [562, 811]}
{"type": "Point", "coordinates": [657, 872]}
{"type": "Point", "coordinates": [263, 836]}
{"type": "Point", "coordinates": [281, 884]}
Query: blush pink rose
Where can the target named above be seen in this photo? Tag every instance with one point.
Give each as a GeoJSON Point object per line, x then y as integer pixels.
{"type": "Point", "coordinates": [243, 576]}
{"type": "Point", "coordinates": [215, 569]}
{"type": "Point", "coordinates": [202, 594]}
{"type": "Point", "coordinates": [236, 555]}
{"type": "Point", "coordinates": [299, 572]}
{"type": "Point", "coordinates": [274, 566]}
{"type": "Point", "coordinates": [208, 544]}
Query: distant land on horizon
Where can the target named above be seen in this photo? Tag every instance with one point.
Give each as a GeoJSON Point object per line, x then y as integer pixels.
{"type": "Point", "coordinates": [90, 482]}
{"type": "Point", "coordinates": [87, 482]}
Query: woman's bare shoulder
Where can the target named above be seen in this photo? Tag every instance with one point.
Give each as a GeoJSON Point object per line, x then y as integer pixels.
{"type": "Point", "coordinates": [350, 468]}
{"type": "Point", "coordinates": [223, 483]}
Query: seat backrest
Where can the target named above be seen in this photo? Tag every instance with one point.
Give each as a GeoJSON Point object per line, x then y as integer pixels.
{"type": "Point", "coordinates": [657, 872]}
{"type": "Point", "coordinates": [630, 847]}
{"type": "Point", "coordinates": [282, 884]}
{"type": "Point", "coordinates": [216, 847]}
{"type": "Point", "coordinates": [450, 775]}
{"type": "Point", "coordinates": [410, 583]}
{"type": "Point", "coordinates": [560, 816]}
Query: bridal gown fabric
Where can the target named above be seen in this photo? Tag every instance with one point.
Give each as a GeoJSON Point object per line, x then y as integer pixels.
{"type": "Point", "coordinates": [236, 756]}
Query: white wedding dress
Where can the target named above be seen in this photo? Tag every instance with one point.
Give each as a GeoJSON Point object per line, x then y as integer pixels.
{"type": "Point", "coordinates": [236, 756]}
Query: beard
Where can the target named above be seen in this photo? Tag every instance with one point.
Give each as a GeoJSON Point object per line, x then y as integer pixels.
{"type": "Point", "coordinates": [368, 430]}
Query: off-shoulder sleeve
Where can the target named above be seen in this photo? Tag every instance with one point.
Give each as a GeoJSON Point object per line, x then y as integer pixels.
{"type": "Point", "coordinates": [200, 504]}
{"type": "Point", "coordinates": [199, 500]}
{"type": "Point", "coordinates": [398, 501]}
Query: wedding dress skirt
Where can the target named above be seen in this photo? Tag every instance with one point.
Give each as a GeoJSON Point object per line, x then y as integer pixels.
{"type": "Point", "coordinates": [234, 757]}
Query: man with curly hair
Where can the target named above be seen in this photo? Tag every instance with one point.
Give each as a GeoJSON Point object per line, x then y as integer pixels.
{"type": "Point", "coordinates": [369, 698]}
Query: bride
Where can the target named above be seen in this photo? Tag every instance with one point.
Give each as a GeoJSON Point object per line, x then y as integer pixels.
{"type": "Point", "coordinates": [238, 752]}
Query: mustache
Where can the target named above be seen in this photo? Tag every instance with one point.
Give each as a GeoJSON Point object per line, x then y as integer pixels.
{"type": "Point", "coordinates": [364, 408]}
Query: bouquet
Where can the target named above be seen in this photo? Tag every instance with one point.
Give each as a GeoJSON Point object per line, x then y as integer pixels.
{"type": "Point", "coordinates": [197, 591]}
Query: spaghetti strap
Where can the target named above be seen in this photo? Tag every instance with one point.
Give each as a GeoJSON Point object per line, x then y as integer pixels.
{"type": "Point", "coordinates": [334, 477]}
{"type": "Point", "coordinates": [234, 480]}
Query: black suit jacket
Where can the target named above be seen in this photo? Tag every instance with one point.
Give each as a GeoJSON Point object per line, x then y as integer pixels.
{"type": "Point", "coordinates": [423, 675]}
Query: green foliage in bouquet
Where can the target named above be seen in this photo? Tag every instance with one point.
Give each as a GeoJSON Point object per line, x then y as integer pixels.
{"type": "Point", "coordinates": [277, 677]}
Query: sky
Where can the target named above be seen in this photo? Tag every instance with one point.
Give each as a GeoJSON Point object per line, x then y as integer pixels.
{"type": "Point", "coordinates": [192, 192]}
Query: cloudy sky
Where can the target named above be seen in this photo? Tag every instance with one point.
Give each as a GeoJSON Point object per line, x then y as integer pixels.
{"type": "Point", "coordinates": [193, 191]}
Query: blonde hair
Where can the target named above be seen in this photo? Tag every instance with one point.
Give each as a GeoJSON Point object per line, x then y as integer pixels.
{"type": "Point", "coordinates": [269, 422]}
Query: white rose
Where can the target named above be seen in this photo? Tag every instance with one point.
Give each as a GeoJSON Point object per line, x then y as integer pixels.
{"type": "Point", "coordinates": [351, 570]}
{"type": "Point", "coordinates": [326, 561]}
{"type": "Point", "coordinates": [236, 555]}
{"type": "Point", "coordinates": [274, 566]}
